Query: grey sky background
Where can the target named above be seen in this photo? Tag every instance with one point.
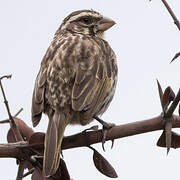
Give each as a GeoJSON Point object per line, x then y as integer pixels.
{"type": "Point", "coordinates": [144, 40]}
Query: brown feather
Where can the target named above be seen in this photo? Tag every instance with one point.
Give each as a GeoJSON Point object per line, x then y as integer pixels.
{"type": "Point", "coordinates": [53, 140]}
{"type": "Point", "coordinates": [76, 81]}
{"type": "Point", "coordinates": [38, 97]}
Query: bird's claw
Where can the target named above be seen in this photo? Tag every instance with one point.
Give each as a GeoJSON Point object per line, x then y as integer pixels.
{"type": "Point", "coordinates": [93, 128]}
{"type": "Point", "coordinates": [112, 145]}
{"type": "Point", "coordinates": [106, 128]}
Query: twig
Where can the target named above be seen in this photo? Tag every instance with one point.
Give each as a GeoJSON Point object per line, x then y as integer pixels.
{"type": "Point", "coordinates": [7, 120]}
{"type": "Point", "coordinates": [29, 172]}
{"type": "Point", "coordinates": [12, 122]}
{"type": "Point", "coordinates": [18, 112]}
{"type": "Point", "coordinates": [176, 21]}
{"type": "Point", "coordinates": [5, 100]}
{"type": "Point", "coordinates": [173, 105]}
{"type": "Point", "coordinates": [20, 170]}
{"type": "Point", "coordinates": [6, 76]}
{"type": "Point", "coordinates": [120, 131]}
{"type": "Point", "coordinates": [4, 121]}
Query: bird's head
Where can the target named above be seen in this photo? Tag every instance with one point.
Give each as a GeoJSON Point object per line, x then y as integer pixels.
{"type": "Point", "coordinates": [87, 22]}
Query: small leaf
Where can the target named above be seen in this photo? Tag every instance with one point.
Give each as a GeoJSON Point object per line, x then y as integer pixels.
{"type": "Point", "coordinates": [62, 172]}
{"type": "Point", "coordinates": [171, 95]}
{"type": "Point", "coordinates": [168, 96]}
{"type": "Point", "coordinates": [24, 129]}
{"type": "Point", "coordinates": [37, 175]}
{"type": "Point", "coordinates": [103, 165]}
{"type": "Point", "coordinates": [37, 138]}
{"type": "Point", "coordinates": [10, 136]}
{"type": "Point", "coordinates": [162, 140]}
{"type": "Point", "coordinates": [175, 57]}
{"type": "Point", "coordinates": [36, 142]}
{"type": "Point", "coordinates": [175, 141]}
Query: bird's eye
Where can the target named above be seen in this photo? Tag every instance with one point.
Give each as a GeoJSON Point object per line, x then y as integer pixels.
{"type": "Point", "coordinates": [87, 20]}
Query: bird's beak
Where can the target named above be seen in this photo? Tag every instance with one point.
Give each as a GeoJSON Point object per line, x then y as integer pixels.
{"type": "Point", "coordinates": [104, 24]}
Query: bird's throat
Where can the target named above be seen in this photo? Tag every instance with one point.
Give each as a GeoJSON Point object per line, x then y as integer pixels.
{"type": "Point", "coordinates": [100, 34]}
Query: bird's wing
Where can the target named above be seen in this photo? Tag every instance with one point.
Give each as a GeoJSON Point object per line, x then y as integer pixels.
{"type": "Point", "coordinates": [92, 83]}
{"type": "Point", "coordinates": [38, 96]}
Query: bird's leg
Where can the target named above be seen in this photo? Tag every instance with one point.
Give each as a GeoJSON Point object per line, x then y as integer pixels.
{"type": "Point", "coordinates": [106, 127]}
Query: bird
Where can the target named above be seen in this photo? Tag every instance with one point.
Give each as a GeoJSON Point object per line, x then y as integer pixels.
{"type": "Point", "coordinates": [76, 81]}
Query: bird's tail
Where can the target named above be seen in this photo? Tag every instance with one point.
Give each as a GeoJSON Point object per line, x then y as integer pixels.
{"type": "Point", "coordinates": [52, 144]}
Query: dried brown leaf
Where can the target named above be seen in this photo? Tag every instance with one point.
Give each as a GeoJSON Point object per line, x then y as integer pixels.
{"type": "Point", "coordinates": [10, 136]}
{"type": "Point", "coordinates": [103, 165]}
{"type": "Point", "coordinates": [24, 129]}
{"type": "Point", "coordinates": [175, 57]}
{"type": "Point", "coordinates": [36, 142]}
{"type": "Point", "coordinates": [175, 141]}
{"type": "Point", "coordinates": [37, 175]}
{"type": "Point", "coordinates": [62, 172]}
{"type": "Point", "coordinates": [37, 138]}
{"type": "Point", "coordinates": [171, 95]}
{"type": "Point", "coordinates": [168, 96]}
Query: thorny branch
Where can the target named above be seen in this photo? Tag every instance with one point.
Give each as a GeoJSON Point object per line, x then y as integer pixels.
{"type": "Point", "coordinates": [20, 170]}
{"type": "Point", "coordinates": [176, 21]}
{"type": "Point", "coordinates": [25, 151]}
{"type": "Point", "coordinates": [13, 150]}
{"type": "Point", "coordinates": [165, 99]}
{"type": "Point", "coordinates": [168, 114]}
{"type": "Point", "coordinates": [14, 128]}
{"type": "Point", "coordinates": [29, 172]}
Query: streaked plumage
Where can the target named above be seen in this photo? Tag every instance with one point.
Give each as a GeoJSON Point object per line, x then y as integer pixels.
{"type": "Point", "coordinates": [76, 81]}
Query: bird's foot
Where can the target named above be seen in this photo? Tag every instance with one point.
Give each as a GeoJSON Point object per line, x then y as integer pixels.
{"type": "Point", "coordinates": [93, 128]}
{"type": "Point", "coordinates": [106, 128]}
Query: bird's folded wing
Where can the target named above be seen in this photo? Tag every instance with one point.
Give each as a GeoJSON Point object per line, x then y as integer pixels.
{"type": "Point", "coordinates": [91, 86]}
{"type": "Point", "coordinates": [38, 97]}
